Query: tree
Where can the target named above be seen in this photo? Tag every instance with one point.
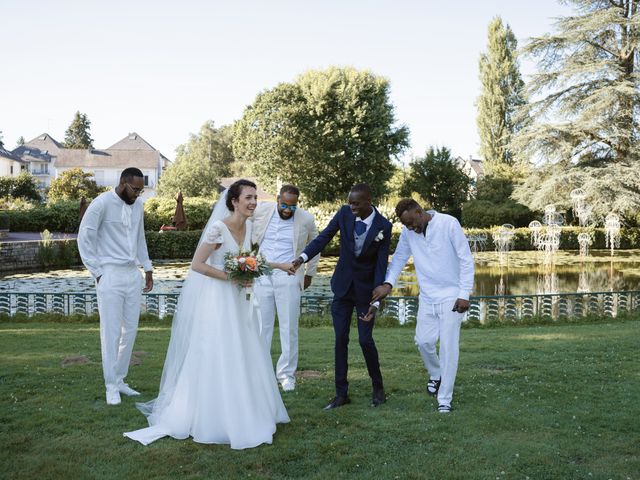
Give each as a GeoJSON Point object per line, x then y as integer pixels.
{"type": "Point", "coordinates": [438, 179]}
{"type": "Point", "coordinates": [24, 186]}
{"type": "Point", "coordinates": [73, 184]}
{"type": "Point", "coordinates": [20, 141]}
{"type": "Point", "coordinates": [325, 132]}
{"type": "Point", "coordinates": [502, 94]}
{"type": "Point", "coordinates": [585, 117]}
{"type": "Point", "coordinates": [199, 164]}
{"type": "Point", "coordinates": [1, 141]}
{"type": "Point", "coordinates": [493, 205]}
{"type": "Point", "coordinates": [78, 134]}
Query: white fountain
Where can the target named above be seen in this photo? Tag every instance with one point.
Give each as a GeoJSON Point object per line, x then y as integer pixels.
{"type": "Point", "coordinates": [612, 231]}
{"type": "Point", "coordinates": [584, 240]}
{"type": "Point", "coordinates": [477, 241]}
{"type": "Point", "coordinates": [536, 229]}
{"type": "Point", "coordinates": [580, 207]}
{"type": "Point", "coordinates": [549, 236]}
{"type": "Point", "coordinates": [502, 239]}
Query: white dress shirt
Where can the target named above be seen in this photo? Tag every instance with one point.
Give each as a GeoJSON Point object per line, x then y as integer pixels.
{"type": "Point", "coordinates": [277, 244]}
{"type": "Point", "coordinates": [442, 258]}
{"type": "Point", "coordinates": [112, 233]}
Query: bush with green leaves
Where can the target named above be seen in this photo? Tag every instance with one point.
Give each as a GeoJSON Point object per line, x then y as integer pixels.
{"type": "Point", "coordinates": [160, 211]}
{"type": "Point", "coordinates": [57, 253]}
{"type": "Point", "coordinates": [493, 205]}
{"type": "Point", "coordinates": [4, 221]}
{"type": "Point", "coordinates": [172, 244]}
{"type": "Point", "coordinates": [24, 186]}
{"type": "Point", "coordinates": [73, 184]}
{"type": "Point", "coordinates": [62, 216]}
{"type": "Point", "coordinates": [485, 214]}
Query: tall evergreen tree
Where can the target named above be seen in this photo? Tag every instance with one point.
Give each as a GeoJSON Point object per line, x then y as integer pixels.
{"type": "Point", "coordinates": [78, 135]}
{"type": "Point", "coordinates": [20, 141]}
{"type": "Point", "coordinates": [1, 141]}
{"type": "Point", "coordinates": [585, 109]}
{"type": "Point", "coordinates": [502, 94]}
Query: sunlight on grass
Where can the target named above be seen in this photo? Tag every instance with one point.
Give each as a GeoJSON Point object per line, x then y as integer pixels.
{"type": "Point", "coordinates": [523, 407]}
{"type": "Point", "coordinates": [550, 336]}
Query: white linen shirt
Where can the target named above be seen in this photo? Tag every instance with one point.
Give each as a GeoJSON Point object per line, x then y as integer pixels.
{"type": "Point", "coordinates": [277, 244]}
{"type": "Point", "coordinates": [442, 258]}
{"type": "Point", "coordinates": [112, 233]}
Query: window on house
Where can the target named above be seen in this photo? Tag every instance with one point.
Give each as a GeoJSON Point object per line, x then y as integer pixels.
{"type": "Point", "coordinates": [99, 177]}
{"type": "Point", "coordinates": [11, 170]}
{"type": "Point", "coordinates": [146, 180]}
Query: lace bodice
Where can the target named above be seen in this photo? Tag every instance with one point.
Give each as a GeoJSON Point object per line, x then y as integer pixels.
{"type": "Point", "coordinates": [218, 232]}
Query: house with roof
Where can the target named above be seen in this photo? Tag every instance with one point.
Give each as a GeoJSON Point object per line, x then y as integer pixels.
{"type": "Point", "coordinates": [39, 155]}
{"type": "Point", "coordinates": [472, 167]}
{"type": "Point", "coordinates": [11, 165]}
{"type": "Point", "coordinates": [48, 159]}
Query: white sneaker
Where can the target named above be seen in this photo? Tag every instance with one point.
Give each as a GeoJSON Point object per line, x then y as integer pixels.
{"type": "Point", "coordinates": [127, 390]}
{"type": "Point", "coordinates": [113, 397]}
{"type": "Point", "coordinates": [288, 384]}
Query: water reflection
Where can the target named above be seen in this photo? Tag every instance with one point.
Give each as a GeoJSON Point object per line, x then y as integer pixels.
{"type": "Point", "coordinates": [524, 273]}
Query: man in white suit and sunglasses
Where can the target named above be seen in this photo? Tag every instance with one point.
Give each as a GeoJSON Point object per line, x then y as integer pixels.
{"type": "Point", "coordinates": [283, 231]}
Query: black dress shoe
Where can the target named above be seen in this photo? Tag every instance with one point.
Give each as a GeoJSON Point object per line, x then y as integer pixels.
{"type": "Point", "coordinates": [337, 402]}
{"type": "Point", "coordinates": [378, 397]}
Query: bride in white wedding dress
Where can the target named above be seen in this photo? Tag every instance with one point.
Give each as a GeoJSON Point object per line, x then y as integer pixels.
{"type": "Point", "coordinates": [218, 383]}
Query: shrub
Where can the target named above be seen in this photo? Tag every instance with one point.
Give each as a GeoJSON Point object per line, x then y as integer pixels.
{"type": "Point", "coordinates": [57, 253]}
{"type": "Point", "coordinates": [62, 216]}
{"type": "Point", "coordinates": [23, 186]}
{"type": "Point", "coordinates": [73, 184]}
{"type": "Point", "coordinates": [159, 211]}
{"type": "Point", "coordinates": [4, 221]}
{"type": "Point", "coordinates": [173, 244]}
{"type": "Point", "coordinates": [484, 214]}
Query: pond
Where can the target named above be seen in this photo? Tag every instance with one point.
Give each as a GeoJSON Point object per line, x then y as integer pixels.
{"type": "Point", "coordinates": [522, 273]}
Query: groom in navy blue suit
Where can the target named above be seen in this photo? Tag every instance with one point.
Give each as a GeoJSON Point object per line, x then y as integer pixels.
{"type": "Point", "coordinates": [365, 236]}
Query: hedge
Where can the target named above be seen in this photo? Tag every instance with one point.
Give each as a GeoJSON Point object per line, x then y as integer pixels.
{"type": "Point", "coordinates": [63, 216]}
{"type": "Point", "coordinates": [59, 216]}
{"type": "Point", "coordinates": [172, 244]}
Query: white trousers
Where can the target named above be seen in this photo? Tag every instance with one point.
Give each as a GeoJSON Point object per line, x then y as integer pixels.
{"type": "Point", "coordinates": [280, 293]}
{"type": "Point", "coordinates": [119, 300]}
{"type": "Point", "coordinates": [437, 322]}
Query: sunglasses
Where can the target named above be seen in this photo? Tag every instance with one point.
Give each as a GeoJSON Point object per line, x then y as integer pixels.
{"type": "Point", "coordinates": [284, 206]}
{"type": "Point", "coordinates": [137, 191]}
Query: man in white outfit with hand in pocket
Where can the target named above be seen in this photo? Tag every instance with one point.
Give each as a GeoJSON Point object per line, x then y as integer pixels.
{"type": "Point", "coordinates": [283, 230]}
{"type": "Point", "coordinates": [112, 245]}
{"type": "Point", "coordinates": [444, 267]}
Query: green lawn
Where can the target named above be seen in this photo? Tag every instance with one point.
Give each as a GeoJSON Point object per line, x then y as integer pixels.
{"type": "Point", "coordinates": [539, 402]}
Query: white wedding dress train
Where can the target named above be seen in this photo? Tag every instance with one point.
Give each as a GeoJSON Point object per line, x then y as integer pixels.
{"type": "Point", "coordinates": [218, 383]}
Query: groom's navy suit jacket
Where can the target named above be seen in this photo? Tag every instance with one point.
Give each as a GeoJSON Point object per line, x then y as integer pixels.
{"type": "Point", "coordinates": [365, 271]}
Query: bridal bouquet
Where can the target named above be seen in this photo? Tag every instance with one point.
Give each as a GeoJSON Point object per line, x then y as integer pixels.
{"type": "Point", "coordinates": [245, 266]}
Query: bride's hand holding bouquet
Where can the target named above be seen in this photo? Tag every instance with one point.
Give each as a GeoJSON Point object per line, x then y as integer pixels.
{"type": "Point", "coordinates": [244, 267]}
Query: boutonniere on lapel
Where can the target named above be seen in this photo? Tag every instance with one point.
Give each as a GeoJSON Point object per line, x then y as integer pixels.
{"type": "Point", "coordinates": [379, 237]}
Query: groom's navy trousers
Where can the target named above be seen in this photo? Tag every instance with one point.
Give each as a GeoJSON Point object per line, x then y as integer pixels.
{"type": "Point", "coordinates": [342, 312]}
{"type": "Point", "coordinates": [352, 284]}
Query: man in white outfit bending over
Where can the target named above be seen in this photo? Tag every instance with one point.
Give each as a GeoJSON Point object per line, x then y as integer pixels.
{"type": "Point", "coordinates": [283, 230]}
{"type": "Point", "coordinates": [112, 245]}
{"type": "Point", "coordinates": [444, 267]}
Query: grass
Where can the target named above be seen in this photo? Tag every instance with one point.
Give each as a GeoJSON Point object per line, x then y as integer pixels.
{"type": "Point", "coordinates": [539, 402]}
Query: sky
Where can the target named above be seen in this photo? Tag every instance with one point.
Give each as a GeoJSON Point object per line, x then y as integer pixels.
{"type": "Point", "coordinates": [163, 68]}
